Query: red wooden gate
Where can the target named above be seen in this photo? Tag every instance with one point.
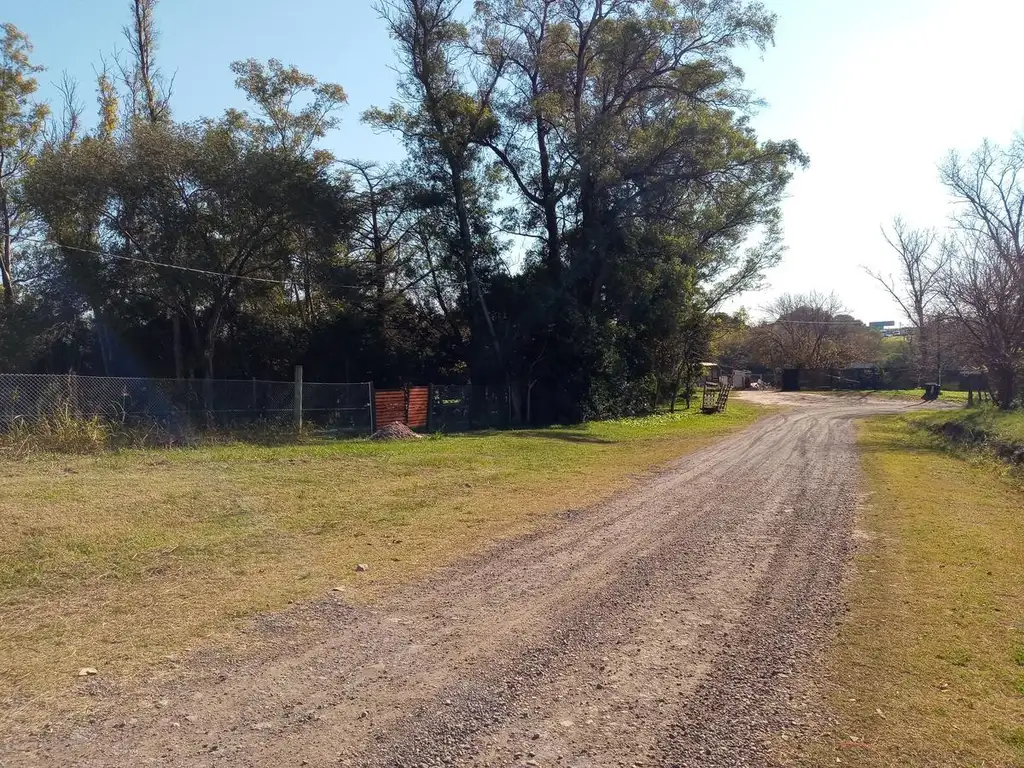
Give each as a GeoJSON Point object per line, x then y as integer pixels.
{"type": "Point", "coordinates": [418, 407]}
{"type": "Point", "coordinates": [389, 406]}
{"type": "Point", "coordinates": [409, 406]}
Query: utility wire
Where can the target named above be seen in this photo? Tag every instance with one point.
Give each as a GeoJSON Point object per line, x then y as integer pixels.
{"type": "Point", "coordinates": [196, 270]}
{"type": "Point", "coordinates": [41, 241]}
{"type": "Point", "coordinates": [783, 321]}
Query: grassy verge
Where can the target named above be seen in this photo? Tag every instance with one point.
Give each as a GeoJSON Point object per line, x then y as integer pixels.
{"type": "Point", "coordinates": [948, 395]}
{"type": "Point", "coordinates": [988, 420]}
{"type": "Point", "coordinates": [928, 669]}
{"type": "Point", "coordinates": [112, 561]}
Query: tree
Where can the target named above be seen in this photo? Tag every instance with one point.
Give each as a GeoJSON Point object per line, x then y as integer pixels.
{"type": "Point", "coordinates": [621, 128]}
{"type": "Point", "coordinates": [277, 91]}
{"type": "Point", "coordinates": [812, 331]}
{"type": "Point", "coordinates": [612, 138]}
{"type": "Point", "coordinates": [612, 112]}
{"type": "Point", "coordinates": [149, 94]}
{"type": "Point", "coordinates": [22, 126]}
{"type": "Point", "coordinates": [984, 282]}
{"type": "Point", "coordinates": [382, 236]}
{"type": "Point", "coordinates": [916, 287]}
{"type": "Point", "coordinates": [186, 217]}
{"type": "Point", "coordinates": [443, 122]}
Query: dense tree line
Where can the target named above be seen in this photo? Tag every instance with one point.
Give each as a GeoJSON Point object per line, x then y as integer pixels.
{"type": "Point", "coordinates": [607, 141]}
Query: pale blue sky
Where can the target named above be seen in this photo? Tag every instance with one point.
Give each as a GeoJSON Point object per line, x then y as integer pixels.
{"type": "Point", "coordinates": [876, 91]}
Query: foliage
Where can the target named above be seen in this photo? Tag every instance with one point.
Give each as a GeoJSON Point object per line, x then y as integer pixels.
{"type": "Point", "coordinates": [813, 331]}
{"type": "Point", "coordinates": [22, 122]}
{"type": "Point", "coordinates": [613, 136]}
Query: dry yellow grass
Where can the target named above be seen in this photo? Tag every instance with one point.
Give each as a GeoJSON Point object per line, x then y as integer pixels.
{"type": "Point", "coordinates": [114, 561]}
{"type": "Point", "coordinates": [928, 669]}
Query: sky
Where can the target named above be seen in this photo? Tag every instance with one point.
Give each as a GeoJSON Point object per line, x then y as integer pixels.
{"type": "Point", "coordinates": [875, 91]}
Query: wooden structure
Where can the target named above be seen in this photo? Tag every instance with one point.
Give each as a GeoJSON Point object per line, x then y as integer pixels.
{"type": "Point", "coordinates": [409, 405]}
{"type": "Point", "coordinates": [716, 396]}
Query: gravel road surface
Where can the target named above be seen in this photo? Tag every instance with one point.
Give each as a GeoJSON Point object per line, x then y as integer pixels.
{"type": "Point", "coordinates": [670, 626]}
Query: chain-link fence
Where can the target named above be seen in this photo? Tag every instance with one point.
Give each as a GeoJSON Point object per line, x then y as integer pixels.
{"type": "Point", "coordinates": [183, 404]}
{"type": "Point", "coordinates": [462, 408]}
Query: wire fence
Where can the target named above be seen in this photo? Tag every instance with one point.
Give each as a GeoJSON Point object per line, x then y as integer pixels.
{"type": "Point", "coordinates": [463, 408]}
{"type": "Point", "coordinates": [186, 404]}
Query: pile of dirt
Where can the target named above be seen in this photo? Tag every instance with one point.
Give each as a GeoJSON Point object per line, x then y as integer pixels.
{"type": "Point", "coordinates": [396, 430]}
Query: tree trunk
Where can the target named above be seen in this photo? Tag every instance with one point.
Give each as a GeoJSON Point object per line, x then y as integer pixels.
{"type": "Point", "coordinates": [466, 246]}
{"type": "Point", "coordinates": [550, 204]}
{"type": "Point", "coordinates": [1007, 392]}
{"type": "Point", "coordinates": [676, 382]}
{"type": "Point", "coordinates": [208, 381]}
{"type": "Point", "coordinates": [104, 342]}
{"type": "Point", "coordinates": [6, 268]}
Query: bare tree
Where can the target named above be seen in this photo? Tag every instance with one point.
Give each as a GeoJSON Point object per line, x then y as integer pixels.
{"type": "Point", "coordinates": [984, 281]}
{"type": "Point", "coordinates": [811, 330]}
{"type": "Point", "coordinates": [916, 286]}
{"type": "Point", "coordinates": [63, 129]}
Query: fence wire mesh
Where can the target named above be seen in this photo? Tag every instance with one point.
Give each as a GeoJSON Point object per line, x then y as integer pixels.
{"type": "Point", "coordinates": [463, 408]}
{"type": "Point", "coordinates": [183, 403]}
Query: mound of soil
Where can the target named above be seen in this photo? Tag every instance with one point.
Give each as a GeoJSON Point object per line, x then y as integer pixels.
{"type": "Point", "coordinates": [396, 430]}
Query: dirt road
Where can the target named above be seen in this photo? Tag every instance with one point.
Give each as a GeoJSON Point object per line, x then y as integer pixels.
{"type": "Point", "coordinates": [667, 627]}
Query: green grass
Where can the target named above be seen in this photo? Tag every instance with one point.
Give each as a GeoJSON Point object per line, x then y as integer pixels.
{"type": "Point", "coordinates": [114, 560]}
{"type": "Point", "coordinates": [927, 668]}
{"type": "Point", "coordinates": [948, 395]}
{"type": "Point", "coordinates": [1003, 425]}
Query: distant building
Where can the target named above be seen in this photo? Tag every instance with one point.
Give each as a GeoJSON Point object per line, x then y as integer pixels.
{"type": "Point", "coordinates": [905, 332]}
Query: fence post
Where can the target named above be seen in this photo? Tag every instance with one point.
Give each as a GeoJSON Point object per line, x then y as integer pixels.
{"type": "Point", "coordinates": [297, 400]}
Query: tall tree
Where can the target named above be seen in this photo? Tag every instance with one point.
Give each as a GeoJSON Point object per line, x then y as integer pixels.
{"type": "Point", "coordinates": [443, 120]}
{"type": "Point", "coordinates": [22, 126]}
{"type": "Point", "coordinates": [149, 93]}
{"type": "Point", "coordinates": [382, 236]}
{"type": "Point", "coordinates": [295, 110]}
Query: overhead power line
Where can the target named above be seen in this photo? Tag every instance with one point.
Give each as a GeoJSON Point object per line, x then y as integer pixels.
{"type": "Point", "coordinates": [816, 322]}
{"type": "Point", "coordinates": [164, 265]}
{"type": "Point", "coordinates": [195, 270]}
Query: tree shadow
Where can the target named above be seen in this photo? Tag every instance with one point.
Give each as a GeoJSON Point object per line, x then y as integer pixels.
{"type": "Point", "coordinates": [555, 433]}
{"type": "Point", "coordinates": [563, 435]}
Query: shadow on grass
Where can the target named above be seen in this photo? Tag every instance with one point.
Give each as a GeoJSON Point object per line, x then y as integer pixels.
{"type": "Point", "coordinates": [562, 434]}
{"type": "Point", "coordinates": [909, 436]}
{"type": "Point", "coordinates": [915, 441]}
